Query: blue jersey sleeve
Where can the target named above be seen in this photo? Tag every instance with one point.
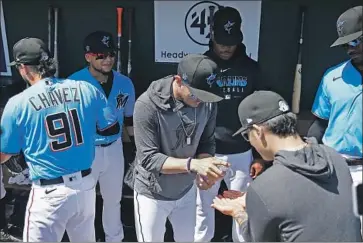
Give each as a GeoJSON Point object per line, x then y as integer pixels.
{"type": "Point", "coordinates": [321, 106]}
{"type": "Point", "coordinates": [10, 133]}
{"type": "Point", "coordinates": [106, 115]}
{"type": "Point", "coordinates": [129, 108]}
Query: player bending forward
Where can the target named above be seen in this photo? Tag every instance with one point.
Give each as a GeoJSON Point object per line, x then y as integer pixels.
{"type": "Point", "coordinates": [54, 123]}
{"type": "Point", "coordinates": [174, 125]}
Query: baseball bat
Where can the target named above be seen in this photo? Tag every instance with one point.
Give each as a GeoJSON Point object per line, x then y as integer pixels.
{"type": "Point", "coordinates": [50, 28]}
{"type": "Point", "coordinates": [56, 42]}
{"type": "Point", "coordinates": [119, 35]}
{"type": "Point", "coordinates": [296, 94]}
{"type": "Point", "coordinates": [129, 66]}
{"type": "Point", "coordinates": [211, 13]}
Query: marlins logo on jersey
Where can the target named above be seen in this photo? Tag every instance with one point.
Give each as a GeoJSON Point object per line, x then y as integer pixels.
{"type": "Point", "coordinates": [121, 100]}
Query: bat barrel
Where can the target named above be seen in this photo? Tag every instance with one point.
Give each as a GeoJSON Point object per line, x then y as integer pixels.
{"type": "Point", "coordinates": [211, 13]}
{"type": "Point", "coordinates": [119, 36]}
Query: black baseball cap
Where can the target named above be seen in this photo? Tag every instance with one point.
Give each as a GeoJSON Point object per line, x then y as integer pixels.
{"type": "Point", "coordinates": [196, 70]}
{"type": "Point", "coordinates": [349, 26]}
{"type": "Point", "coordinates": [227, 26]}
{"type": "Point", "coordinates": [29, 51]}
{"type": "Point", "coordinates": [260, 107]}
{"type": "Point", "coordinates": [99, 42]}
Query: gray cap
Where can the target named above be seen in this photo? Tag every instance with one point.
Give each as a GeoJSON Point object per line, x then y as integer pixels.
{"type": "Point", "coordinates": [349, 26]}
{"type": "Point", "coordinates": [29, 51]}
{"type": "Point", "coordinates": [196, 71]}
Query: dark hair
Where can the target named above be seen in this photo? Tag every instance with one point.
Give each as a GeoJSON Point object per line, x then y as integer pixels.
{"type": "Point", "coordinates": [283, 125]}
{"type": "Point", "coordinates": [46, 67]}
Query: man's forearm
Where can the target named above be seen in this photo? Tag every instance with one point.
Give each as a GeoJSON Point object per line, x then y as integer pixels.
{"type": "Point", "coordinates": [130, 131]}
{"type": "Point", "coordinates": [175, 166]}
{"type": "Point", "coordinates": [317, 129]}
{"type": "Point", "coordinates": [4, 157]}
{"type": "Point", "coordinates": [128, 134]}
{"type": "Point", "coordinates": [110, 131]}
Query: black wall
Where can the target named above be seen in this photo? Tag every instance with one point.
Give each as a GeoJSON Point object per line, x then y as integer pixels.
{"type": "Point", "coordinates": [278, 37]}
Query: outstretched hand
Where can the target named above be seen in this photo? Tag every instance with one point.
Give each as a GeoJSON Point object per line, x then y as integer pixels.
{"type": "Point", "coordinates": [232, 194]}
{"type": "Point", "coordinates": [228, 206]}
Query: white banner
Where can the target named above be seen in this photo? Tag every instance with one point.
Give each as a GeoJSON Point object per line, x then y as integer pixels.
{"type": "Point", "coordinates": [182, 27]}
{"type": "Point", "coordinates": [5, 69]}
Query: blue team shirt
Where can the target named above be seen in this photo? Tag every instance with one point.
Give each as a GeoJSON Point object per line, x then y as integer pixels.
{"type": "Point", "coordinates": [54, 123]}
{"type": "Point", "coordinates": [339, 100]}
{"type": "Point", "coordinates": [122, 96]}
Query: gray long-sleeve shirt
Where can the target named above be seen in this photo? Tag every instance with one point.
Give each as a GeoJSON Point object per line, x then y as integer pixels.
{"type": "Point", "coordinates": [160, 133]}
{"type": "Point", "coordinates": [305, 196]}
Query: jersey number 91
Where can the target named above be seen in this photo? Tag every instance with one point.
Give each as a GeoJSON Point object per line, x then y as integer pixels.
{"type": "Point", "coordinates": [61, 125]}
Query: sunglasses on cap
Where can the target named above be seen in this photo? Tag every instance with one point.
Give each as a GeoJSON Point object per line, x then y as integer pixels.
{"type": "Point", "coordinates": [193, 97]}
{"type": "Point", "coordinates": [103, 55]}
{"type": "Point", "coordinates": [355, 42]}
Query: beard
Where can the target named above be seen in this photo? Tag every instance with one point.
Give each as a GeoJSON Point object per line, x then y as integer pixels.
{"type": "Point", "coordinates": [101, 71]}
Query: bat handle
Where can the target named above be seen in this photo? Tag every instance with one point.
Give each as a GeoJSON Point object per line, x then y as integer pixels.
{"type": "Point", "coordinates": [211, 13]}
{"type": "Point", "coordinates": [119, 21]}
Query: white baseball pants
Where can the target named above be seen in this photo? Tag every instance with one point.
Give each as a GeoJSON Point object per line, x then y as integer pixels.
{"type": "Point", "coordinates": [357, 173]}
{"type": "Point", "coordinates": [151, 215]}
{"type": "Point", "coordinates": [2, 187]}
{"type": "Point", "coordinates": [237, 179]}
{"type": "Point", "coordinates": [52, 209]}
{"type": "Point", "coordinates": [108, 169]}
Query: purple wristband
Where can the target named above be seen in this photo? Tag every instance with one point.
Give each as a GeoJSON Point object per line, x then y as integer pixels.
{"type": "Point", "coordinates": [188, 164]}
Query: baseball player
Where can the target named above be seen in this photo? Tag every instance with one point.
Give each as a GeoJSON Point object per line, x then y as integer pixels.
{"type": "Point", "coordinates": [54, 123]}
{"type": "Point", "coordinates": [338, 101]}
{"type": "Point", "coordinates": [237, 79]}
{"type": "Point", "coordinates": [108, 165]}
{"type": "Point", "coordinates": [174, 122]}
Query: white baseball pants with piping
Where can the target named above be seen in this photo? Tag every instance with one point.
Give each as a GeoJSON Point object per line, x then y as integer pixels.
{"type": "Point", "coordinates": [52, 209]}
{"type": "Point", "coordinates": [357, 175]}
{"type": "Point", "coordinates": [108, 169]}
{"type": "Point", "coordinates": [151, 215]}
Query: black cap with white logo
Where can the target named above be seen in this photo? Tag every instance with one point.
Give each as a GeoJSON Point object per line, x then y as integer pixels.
{"type": "Point", "coordinates": [227, 26]}
{"type": "Point", "coordinates": [99, 42]}
{"type": "Point", "coordinates": [30, 51]}
{"type": "Point", "coordinates": [349, 26]}
{"type": "Point", "coordinates": [196, 71]}
{"type": "Point", "coordinates": [260, 107]}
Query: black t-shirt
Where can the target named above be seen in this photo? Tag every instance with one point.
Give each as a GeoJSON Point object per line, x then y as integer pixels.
{"type": "Point", "coordinates": [237, 79]}
{"type": "Point", "coordinates": [107, 87]}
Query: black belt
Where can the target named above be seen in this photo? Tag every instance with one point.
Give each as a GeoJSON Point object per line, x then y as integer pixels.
{"type": "Point", "coordinates": [106, 144]}
{"type": "Point", "coordinates": [59, 180]}
{"type": "Point", "coordinates": [353, 162]}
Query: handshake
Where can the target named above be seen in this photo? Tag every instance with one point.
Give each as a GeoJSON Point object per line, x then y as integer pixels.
{"type": "Point", "coordinates": [209, 171]}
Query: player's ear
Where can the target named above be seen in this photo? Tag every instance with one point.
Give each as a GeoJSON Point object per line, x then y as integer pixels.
{"type": "Point", "coordinates": [178, 80]}
{"type": "Point", "coordinates": [88, 57]}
